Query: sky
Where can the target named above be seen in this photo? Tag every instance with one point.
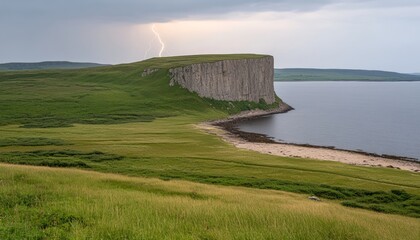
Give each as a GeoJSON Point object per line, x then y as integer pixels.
{"type": "Point", "coordinates": [369, 34]}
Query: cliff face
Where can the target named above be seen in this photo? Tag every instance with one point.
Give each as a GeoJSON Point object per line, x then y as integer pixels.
{"type": "Point", "coordinates": [230, 80]}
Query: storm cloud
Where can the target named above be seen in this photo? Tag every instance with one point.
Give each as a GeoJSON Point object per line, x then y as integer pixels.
{"type": "Point", "coordinates": [370, 34]}
{"type": "Point", "coordinates": [142, 11]}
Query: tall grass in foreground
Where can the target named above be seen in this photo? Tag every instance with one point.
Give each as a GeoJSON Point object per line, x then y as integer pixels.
{"type": "Point", "coordinates": [42, 203]}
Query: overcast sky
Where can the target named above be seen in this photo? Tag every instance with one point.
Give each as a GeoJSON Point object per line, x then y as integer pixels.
{"type": "Point", "coordinates": [369, 34]}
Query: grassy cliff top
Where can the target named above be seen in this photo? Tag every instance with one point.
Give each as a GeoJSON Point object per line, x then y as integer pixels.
{"type": "Point", "coordinates": [179, 61]}
{"type": "Point", "coordinates": [157, 62]}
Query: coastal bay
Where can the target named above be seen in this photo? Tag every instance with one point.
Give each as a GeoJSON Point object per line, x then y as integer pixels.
{"type": "Point", "coordinates": [380, 118]}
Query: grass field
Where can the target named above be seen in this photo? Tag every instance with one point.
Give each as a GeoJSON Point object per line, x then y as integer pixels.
{"type": "Point", "coordinates": [43, 203]}
{"type": "Point", "coordinates": [313, 74]}
{"type": "Point", "coordinates": [112, 120]}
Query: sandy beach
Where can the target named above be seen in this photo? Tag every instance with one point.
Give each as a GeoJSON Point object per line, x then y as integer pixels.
{"type": "Point", "coordinates": [264, 145]}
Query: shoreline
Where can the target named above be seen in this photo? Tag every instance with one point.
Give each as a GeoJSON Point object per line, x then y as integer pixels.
{"type": "Point", "coordinates": [227, 130]}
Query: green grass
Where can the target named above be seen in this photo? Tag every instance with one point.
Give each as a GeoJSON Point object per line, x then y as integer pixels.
{"type": "Point", "coordinates": [41, 203]}
{"type": "Point", "coordinates": [312, 74]}
{"type": "Point", "coordinates": [393, 201]}
{"type": "Point", "coordinates": [58, 158]}
{"type": "Point", "coordinates": [113, 120]}
{"type": "Point", "coordinates": [31, 141]}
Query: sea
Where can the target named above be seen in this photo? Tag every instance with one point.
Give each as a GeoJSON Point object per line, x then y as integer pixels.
{"type": "Point", "coordinates": [373, 117]}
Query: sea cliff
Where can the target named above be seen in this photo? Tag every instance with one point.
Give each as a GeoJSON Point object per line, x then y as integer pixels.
{"type": "Point", "coordinates": [229, 80]}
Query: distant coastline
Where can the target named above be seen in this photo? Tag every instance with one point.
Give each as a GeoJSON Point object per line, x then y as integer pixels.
{"type": "Point", "coordinates": [47, 65]}
{"type": "Point", "coordinates": [313, 74]}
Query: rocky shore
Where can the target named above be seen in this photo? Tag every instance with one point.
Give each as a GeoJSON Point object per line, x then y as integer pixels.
{"type": "Point", "coordinates": [228, 131]}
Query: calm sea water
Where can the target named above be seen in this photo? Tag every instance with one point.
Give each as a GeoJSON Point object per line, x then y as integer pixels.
{"type": "Point", "coordinates": [381, 118]}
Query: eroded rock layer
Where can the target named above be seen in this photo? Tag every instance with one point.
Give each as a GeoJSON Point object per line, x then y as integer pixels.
{"type": "Point", "coordinates": [230, 80]}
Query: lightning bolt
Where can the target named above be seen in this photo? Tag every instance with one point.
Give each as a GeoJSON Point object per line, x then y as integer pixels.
{"type": "Point", "coordinates": [162, 44]}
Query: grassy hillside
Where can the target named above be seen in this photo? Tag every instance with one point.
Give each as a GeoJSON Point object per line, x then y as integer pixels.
{"type": "Point", "coordinates": [112, 120]}
{"type": "Point", "coordinates": [46, 65]}
{"type": "Point", "coordinates": [45, 203]}
{"type": "Point", "coordinates": [114, 94]}
{"type": "Point", "coordinates": [310, 74]}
